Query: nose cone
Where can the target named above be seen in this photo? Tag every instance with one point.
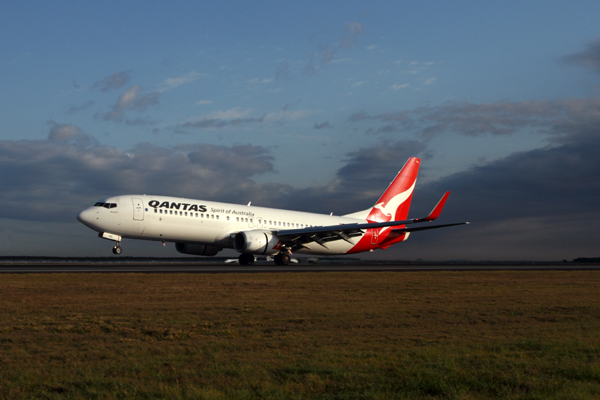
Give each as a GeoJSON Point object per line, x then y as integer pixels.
{"type": "Point", "coordinates": [87, 217]}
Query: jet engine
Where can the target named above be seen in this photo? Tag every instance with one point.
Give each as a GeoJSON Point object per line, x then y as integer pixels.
{"type": "Point", "coordinates": [256, 242]}
{"type": "Point", "coordinates": [197, 249]}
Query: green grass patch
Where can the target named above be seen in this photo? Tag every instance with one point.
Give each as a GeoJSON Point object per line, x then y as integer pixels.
{"type": "Point", "coordinates": [422, 335]}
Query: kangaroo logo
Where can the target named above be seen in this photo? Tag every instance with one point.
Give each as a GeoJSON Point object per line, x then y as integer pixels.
{"type": "Point", "coordinates": [386, 211]}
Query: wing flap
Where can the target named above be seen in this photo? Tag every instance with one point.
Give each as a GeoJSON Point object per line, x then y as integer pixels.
{"type": "Point", "coordinates": [424, 228]}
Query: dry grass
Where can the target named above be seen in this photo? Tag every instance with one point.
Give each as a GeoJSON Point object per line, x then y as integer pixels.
{"type": "Point", "coordinates": [463, 335]}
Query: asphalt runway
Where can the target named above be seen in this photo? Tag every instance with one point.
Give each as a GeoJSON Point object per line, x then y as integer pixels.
{"type": "Point", "coordinates": [220, 268]}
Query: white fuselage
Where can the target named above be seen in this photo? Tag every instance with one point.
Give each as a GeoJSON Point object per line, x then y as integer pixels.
{"type": "Point", "coordinates": [171, 219]}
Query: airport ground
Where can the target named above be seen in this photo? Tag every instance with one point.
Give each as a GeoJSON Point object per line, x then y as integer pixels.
{"type": "Point", "coordinates": [222, 265]}
{"type": "Point", "coordinates": [470, 334]}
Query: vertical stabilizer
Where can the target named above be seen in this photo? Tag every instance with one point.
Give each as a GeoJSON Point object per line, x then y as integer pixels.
{"type": "Point", "coordinates": [394, 203]}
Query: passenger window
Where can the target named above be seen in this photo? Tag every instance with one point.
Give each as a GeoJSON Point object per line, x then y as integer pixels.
{"type": "Point", "coordinates": [217, 217]}
{"type": "Point", "coordinates": [161, 211]}
{"type": "Point", "coordinates": [155, 211]}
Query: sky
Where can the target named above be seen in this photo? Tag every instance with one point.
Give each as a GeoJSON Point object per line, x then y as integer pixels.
{"type": "Point", "coordinates": [312, 106]}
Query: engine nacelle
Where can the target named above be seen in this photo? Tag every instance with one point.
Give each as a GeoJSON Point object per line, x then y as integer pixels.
{"type": "Point", "coordinates": [256, 242]}
{"type": "Point", "coordinates": [197, 249]}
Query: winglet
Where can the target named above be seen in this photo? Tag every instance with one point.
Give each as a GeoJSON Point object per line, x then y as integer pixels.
{"type": "Point", "coordinates": [437, 210]}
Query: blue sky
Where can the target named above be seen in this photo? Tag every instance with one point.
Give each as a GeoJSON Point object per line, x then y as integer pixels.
{"type": "Point", "coordinates": [305, 105]}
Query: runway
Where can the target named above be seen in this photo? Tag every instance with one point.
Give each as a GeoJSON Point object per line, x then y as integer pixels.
{"type": "Point", "coordinates": [222, 268]}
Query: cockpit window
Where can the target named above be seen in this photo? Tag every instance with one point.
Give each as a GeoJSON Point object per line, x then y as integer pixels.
{"type": "Point", "coordinates": [106, 205]}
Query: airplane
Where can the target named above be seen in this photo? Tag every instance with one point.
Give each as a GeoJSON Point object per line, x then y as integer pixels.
{"type": "Point", "coordinates": [205, 228]}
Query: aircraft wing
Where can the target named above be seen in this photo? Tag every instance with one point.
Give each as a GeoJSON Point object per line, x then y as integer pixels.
{"type": "Point", "coordinates": [424, 228]}
{"type": "Point", "coordinates": [323, 234]}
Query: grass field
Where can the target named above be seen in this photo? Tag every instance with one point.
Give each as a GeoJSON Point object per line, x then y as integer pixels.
{"type": "Point", "coordinates": [451, 335]}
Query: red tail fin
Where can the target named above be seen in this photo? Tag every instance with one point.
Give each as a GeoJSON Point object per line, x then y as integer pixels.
{"type": "Point", "coordinates": [394, 203]}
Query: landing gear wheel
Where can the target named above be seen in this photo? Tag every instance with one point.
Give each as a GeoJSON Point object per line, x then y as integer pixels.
{"type": "Point", "coordinates": [282, 259]}
{"type": "Point", "coordinates": [246, 259]}
{"type": "Point", "coordinates": [117, 250]}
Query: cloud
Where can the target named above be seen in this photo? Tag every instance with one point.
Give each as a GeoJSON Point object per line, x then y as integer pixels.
{"type": "Point", "coordinates": [232, 113]}
{"type": "Point", "coordinates": [81, 107]}
{"type": "Point", "coordinates": [127, 98]}
{"type": "Point", "coordinates": [282, 70]}
{"type": "Point", "coordinates": [172, 83]}
{"type": "Point", "coordinates": [322, 125]}
{"type": "Point", "coordinates": [115, 81]}
{"type": "Point", "coordinates": [358, 184]}
{"type": "Point", "coordinates": [351, 30]}
{"type": "Point", "coordinates": [538, 204]}
{"type": "Point", "coordinates": [373, 168]}
{"type": "Point", "coordinates": [328, 48]}
{"type": "Point", "coordinates": [501, 118]}
{"type": "Point", "coordinates": [326, 54]}
{"type": "Point", "coordinates": [535, 204]}
{"type": "Point", "coordinates": [239, 117]}
{"type": "Point", "coordinates": [397, 86]}
{"type": "Point", "coordinates": [589, 58]}
{"type": "Point", "coordinates": [286, 115]}
{"type": "Point", "coordinates": [51, 180]}
{"type": "Point", "coordinates": [221, 119]}
{"type": "Point", "coordinates": [131, 100]}
{"type": "Point", "coordinates": [63, 131]}
{"type": "Point", "coordinates": [144, 101]}
{"type": "Point", "coordinates": [259, 80]}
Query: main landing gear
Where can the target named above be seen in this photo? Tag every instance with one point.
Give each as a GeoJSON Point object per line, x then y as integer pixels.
{"type": "Point", "coordinates": [246, 259]}
{"type": "Point", "coordinates": [282, 259]}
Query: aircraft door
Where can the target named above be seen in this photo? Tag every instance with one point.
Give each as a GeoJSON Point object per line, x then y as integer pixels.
{"type": "Point", "coordinates": [138, 209]}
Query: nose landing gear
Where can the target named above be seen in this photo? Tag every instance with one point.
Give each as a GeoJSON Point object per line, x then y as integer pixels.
{"type": "Point", "coordinates": [116, 238]}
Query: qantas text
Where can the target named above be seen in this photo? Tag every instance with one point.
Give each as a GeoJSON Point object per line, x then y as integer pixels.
{"type": "Point", "coordinates": [177, 206]}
